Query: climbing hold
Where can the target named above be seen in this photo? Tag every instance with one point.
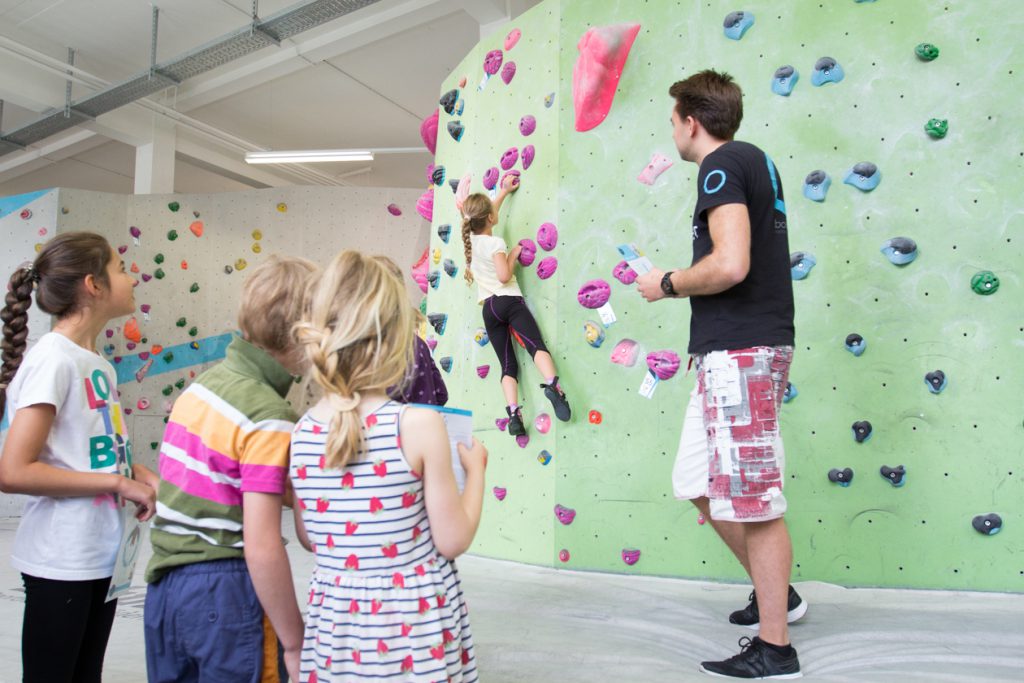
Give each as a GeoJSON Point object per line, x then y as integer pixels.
{"type": "Point", "coordinates": [444, 232]}
{"type": "Point", "coordinates": [172, 235]}
{"type": "Point", "coordinates": [563, 555]}
{"type": "Point", "coordinates": [109, 349]}
{"type": "Point", "coordinates": [527, 125]}
{"type": "Point", "coordinates": [461, 190]}
{"type": "Point", "coordinates": [790, 392]}
{"type": "Point", "coordinates": [523, 440]}
{"type": "Point", "coordinates": [895, 476]}
{"type": "Point", "coordinates": [989, 524]}
{"type": "Point", "coordinates": [664, 364]}
{"type": "Point", "coordinates": [547, 236]}
{"type": "Point", "coordinates": [630, 556]}
{"type": "Point", "coordinates": [432, 343]}
{"type": "Point", "coordinates": [509, 158]}
{"type": "Point", "coordinates": [544, 457]}
{"type": "Point", "coordinates": [594, 417]}
{"type": "Point", "coordinates": [167, 390]}
{"type": "Point", "coordinates": [826, 70]}
{"type": "Point", "coordinates": [625, 353]}
{"type": "Point", "coordinates": [257, 235]}
{"type": "Point", "coordinates": [500, 492]}
{"type": "Point", "coordinates": [865, 176]}
{"type": "Point", "coordinates": [425, 205]}
{"type": "Point", "coordinates": [508, 72]}
{"type": "Point", "coordinates": [861, 431]}
{"type": "Point", "coordinates": [436, 174]}
{"type": "Point", "coordinates": [158, 259]}
{"type": "Point", "coordinates": [438, 321]}
{"type": "Point", "coordinates": [595, 77]}
{"type": "Point", "coordinates": [842, 477]}
{"type": "Point", "coordinates": [935, 381]}
{"type": "Point", "coordinates": [134, 267]}
{"type": "Point", "coordinates": [736, 24]}
{"type": "Point", "coordinates": [984, 282]}
{"type": "Point", "coordinates": [446, 363]}
{"type": "Point", "coordinates": [197, 228]}
{"type": "Point", "coordinates": [492, 62]}
{"type": "Point", "coordinates": [134, 232]}
{"type": "Point", "coordinates": [511, 174]}
{"type": "Point", "coordinates": [784, 80]}
{"type": "Point", "coordinates": [855, 343]}
{"type": "Point", "coordinates": [594, 294]}
{"type": "Point", "coordinates": [512, 38]}
{"type": "Point", "coordinates": [482, 371]}
{"type": "Point", "coordinates": [549, 99]}
{"type": "Point", "coordinates": [180, 384]}
{"type": "Point", "coordinates": [816, 185]}
{"type": "Point", "coordinates": [547, 266]}
{"type": "Point", "coordinates": [450, 267]}
{"type": "Point", "coordinates": [456, 129]}
{"type": "Point", "coordinates": [184, 265]}
{"type": "Point", "coordinates": [194, 346]}
{"type": "Point", "coordinates": [528, 252]}
{"type": "Point", "coordinates": [926, 52]}
{"type": "Point", "coordinates": [130, 346]}
{"type": "Point", "coordinates": [193, 288]}
{"type": "Point", "coordinates": [800, 264]}
{"type": "Point", "coordinates": [282, 207]}
{"type": "Point", "coordinates": [448, 101]}
{"type": "Point", "coordinates": [900, 250]}
{"type": "Point", "coordinates": [109, 333]}
{"type": "Point", "coordinates": [25, 214]}
{"type": "Point", "coordinates": [481, 337]}
{"type": "Point", "coordinates": [122, 249]}
{"type": "Point", "coordinates": [394, 210]}
{"type": "Point", "coordinates": [435, 256]}
{"type": "Point", "coordinates": [564, 515]}
{"type": "Point", "coordinates": [701, 519]}
{"type": "Point", "coordinates": [623, 273]}
{"type": "Point", "coordinates": [528, 154]}
{"type": "Point", "coordinates": [542, 423]}
{"type": "Point", "coordinates": [936, 128]}
{"type": "Point", "coordinates": [131, 330]}
{"type": "Point", "coordinates": [174, 206]}
{"type": "Point", "coordinates": [146, 277]}
{"type": "Point", "coordinates": [193, 331]}
{"type": "Point", "coordinates": [434, 279]}
{"type": "Point", "coordinates": [593, 333]}
{"type": "Point", "coordinates": [143, 404]}
{"type": "Point", "coordinates": [428, 132]}
{"type": "Point", "coordinates": [654, 168]}
{"type": "Point", "coordinates": [181, 322]}
{"type": "Point", "coordinates": [491, 177]}
{"type": "Point", "coordinates": [168, 357]}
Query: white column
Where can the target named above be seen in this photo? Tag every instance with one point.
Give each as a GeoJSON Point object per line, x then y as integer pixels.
{"type": "Point", "coordinates": [154, 160]}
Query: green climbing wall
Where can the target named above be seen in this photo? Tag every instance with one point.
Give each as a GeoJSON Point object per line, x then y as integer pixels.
{"type": "Point", "coordinates": [957, 197]}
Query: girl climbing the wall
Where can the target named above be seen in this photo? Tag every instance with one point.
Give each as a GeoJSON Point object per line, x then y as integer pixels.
{"type": "Point", "coordinates": [67, 434]}
{"type": "Point", "coordinates": [490, 264]}
{"type": "Point", "coordinates": [375, 494]}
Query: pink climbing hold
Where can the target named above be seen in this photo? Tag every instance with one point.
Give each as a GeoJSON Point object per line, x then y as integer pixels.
{"type": "Point", "coordinates": [624, 274]}
{"type": "Point", "coordinates": [425, 204]}
{"type": "Point", "coordinates": [543, 423]}
{"type": "Point", "coordinates": [514, 174]}
{"type": "Point", "coordinates": [482, 371]}
{"type": "Point", "coordinates": [527, 155]}
{"type": "Point", "coordinates": [500, 492]}
{"type": "Point", "coordinates": [512, 38]}
{"type": "Point", "coordinates": [594, 294]}
{"type": "Point", "coordinates": [523, 440]}
{"type": "Point", "coordinates": [508, 72]}
{"type": "Point", "coordinates": [625, 353]}
{"type": "Point", "coordinates": [462, 191]}
{"type": "Point", "coordinates": [528, 253]}
{"type": "Point", "coordinates": [527, 125]}
{"type": "Point", "coordinates": [419, 274]}
{"type": "Point", "coordinates": [428, 131]}
{"type": "Point", "coordinates": [501, 423]}
{"type": "Point", "coordinates": [122, 249]}
{"type": "Point", "coordinates": [492, 62]}
{"type": "Point", "coordinates": [565, 515]}
{"type": "Point", "coordinates": [664, 364]}
{"type": "Point", "coordinates": [603, 52]}
{"type": "Point", "coordinates": [547, 236]}
{"type": "Point", "coordinates": [431, 343]}
{"type": "Point", "coordinates": [394, 210]}
{"type": "Point", "coordinates": [509, 158]}
{"type": "Point", "coordinates": [547, 267]}
{"type": "Point", "coordinates": [630, 557]}
{"type": "Point", "coordinates": [563, 555]}
{"type": "Point", "coordinates": [491, 177]}
{"type": "Point", "coordinates": [657, 165]}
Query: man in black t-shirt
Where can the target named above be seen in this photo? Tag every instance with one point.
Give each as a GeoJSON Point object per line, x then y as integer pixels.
{"type": "Point", "coordinates": [730, 460]}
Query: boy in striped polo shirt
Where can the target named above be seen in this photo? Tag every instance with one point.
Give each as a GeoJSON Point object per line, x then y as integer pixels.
{"type": "Point", "coordinates": [221, 594]}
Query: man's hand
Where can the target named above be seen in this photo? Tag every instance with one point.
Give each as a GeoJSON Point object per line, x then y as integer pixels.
{"type": "Point", "coordinates": [649, 285]}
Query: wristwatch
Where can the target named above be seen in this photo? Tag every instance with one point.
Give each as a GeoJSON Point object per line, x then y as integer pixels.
{"type": "Point", "coordinates": [666, 284]}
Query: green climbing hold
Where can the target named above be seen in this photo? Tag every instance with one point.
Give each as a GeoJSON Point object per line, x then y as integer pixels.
{"type": "Point", "coordinates": [926, 52]}
{"type": "Point", "coordinates": [936, 128]}
{"type": "Point", "coordinates": [193, 331]}
{"type": "Point", "coordinates": [143, 341]}
{"type": "Point", "coordinates": [194, 288]}
{"type": "Point", "coordinates": [153, 445]}
{"type": "Point", "coordinates": [985, 282]}
{"type": "Point", "coordinates": [172, 235]}
{"type": "Point", "coordinates": [180, 383]}
{"type": "Point", "coordinates": [423, 306]}
{"type": "Point", "coordinates": [159, 258]}
{"type": "Point", "coordinates": [168, 357]}
{"type": "Point", "coordinates": [159, 274]}
{"type": "Point", "coordinates": [167, 391]}
{"type": "Point", "coordinates": [181, 322]}
{"type": "Point", "coordinates": [174, 206]}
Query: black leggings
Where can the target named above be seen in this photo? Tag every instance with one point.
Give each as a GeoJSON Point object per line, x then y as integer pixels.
{"type": "Point", "coordinates": [65, 631]}
{"type": "Point", "coordinates": [503, 317]}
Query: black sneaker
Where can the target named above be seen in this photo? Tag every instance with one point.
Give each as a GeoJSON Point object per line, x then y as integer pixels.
{"type": "Point", "coordinates": [756, 660]}
{"type": "Point", "coordinates": [515, 422]}
{"type": "Point", "coordinates": [554, 393]}
{"type": "Point", "coordinates": [750, 618]}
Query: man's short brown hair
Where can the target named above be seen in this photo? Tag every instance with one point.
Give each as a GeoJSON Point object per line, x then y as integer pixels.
{"type": "Point", "coordinates": [272, 299]}
{"type": "Point", "coordinates": [712, 98]}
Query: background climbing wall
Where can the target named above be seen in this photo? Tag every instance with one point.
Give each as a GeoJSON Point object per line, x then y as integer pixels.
{"type": "Point", "coordinates": [312, 222]}
{"type": "Point", "coordinates": [957, 197]}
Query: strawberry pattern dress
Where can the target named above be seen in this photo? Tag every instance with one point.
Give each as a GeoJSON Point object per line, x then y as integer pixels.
{"type": "Point", "coordinates": [384, 605]}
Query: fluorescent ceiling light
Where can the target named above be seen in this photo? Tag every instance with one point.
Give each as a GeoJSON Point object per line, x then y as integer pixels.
{"type": "Point", "coordinates": [308, 156]}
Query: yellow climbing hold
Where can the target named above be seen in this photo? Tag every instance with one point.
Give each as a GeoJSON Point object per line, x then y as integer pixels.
{"type": "Point", "coordinates": [256, 248]}
{"type": "Point", "coordinates": [257, 235]}
{"type": "Point", "coordinates": [282, 207]}
{"type": "Point", "coordinates": [437, 256]}
{"type": "Point", "coordinates": [240, 264]}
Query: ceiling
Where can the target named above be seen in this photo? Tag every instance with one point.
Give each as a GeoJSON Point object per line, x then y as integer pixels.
{"type": "Point", "coordinates": [364, 80]}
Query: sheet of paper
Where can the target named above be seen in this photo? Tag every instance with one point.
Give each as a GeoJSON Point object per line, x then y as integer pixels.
{"type": "Point", "coordinates": [460, 430]}
{"type": "Point", "coordinates": [607, 314]}
{"type": "Point", "coordinates": [635, 258]}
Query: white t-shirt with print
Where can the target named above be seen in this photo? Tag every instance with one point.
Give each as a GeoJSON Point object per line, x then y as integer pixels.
{"type": "Point", "coordinates": [71, 538]}
{"type": "Point", "coordinates": [484, 273]}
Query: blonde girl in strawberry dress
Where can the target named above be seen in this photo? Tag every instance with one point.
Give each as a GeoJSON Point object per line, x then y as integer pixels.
{"type": "Point", "coordinates": [375, 494]}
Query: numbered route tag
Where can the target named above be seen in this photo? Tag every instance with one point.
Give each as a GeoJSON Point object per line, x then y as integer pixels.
{"type": "Point", "coordinates": [607, 314]}
{"type": "Point", "coordinates": [649, 384]}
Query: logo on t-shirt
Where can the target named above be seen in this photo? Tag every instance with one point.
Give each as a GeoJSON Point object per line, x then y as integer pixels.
{"type": "Point", "coordinates": [715, 178]}
{"type": "Point", "coordinates": [695, 232]}
{"type": "Point", "coordinates": [111, 448]}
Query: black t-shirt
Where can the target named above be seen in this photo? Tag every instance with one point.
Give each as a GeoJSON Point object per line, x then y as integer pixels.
{"type": "Point", "coordinates": [759, 310]}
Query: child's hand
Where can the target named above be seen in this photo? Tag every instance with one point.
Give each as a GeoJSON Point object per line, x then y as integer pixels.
{"type": "Point", "coordinates": [141, 494]}
{"type": "Point", "coordinates": [516, 250]}
{"type": "Point", "coordinates": [473, 457]}
{"type": "Point", "coordinates": [510, 183]}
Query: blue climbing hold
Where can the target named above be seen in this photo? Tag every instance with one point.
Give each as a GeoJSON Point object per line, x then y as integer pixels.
{"type": "Point", "coordinates": [935, 381]}
{"type": "Point", "coordinates": [894, 475]}
{"type": "Point", "coordinates": [855, 344]}
{"type": "Point", "coordinates": [861, 431]}
{"type": "Point", "coordinates": [736, 24]}
{"type": "Point", "coordinates": [900, 250]}
{"type": "Point", "coordinates": [842, 477]}
{"type": "Point", "coordinates": [784, 80]}
{"type": "Point", "coordinates": [865, 176]}
{"type": "Point", "coordinates": [800, 264]}
{"type": "Point", "coordinates": [826, 70]}
{"type": "Point", "coordinates": [816, 185]}
{"type": "Point", "coordinates": [446, 363]}
{"type": "Point", "coordinates": [790, 392]}
{"type": "Point", "coordinates": [444, 232]}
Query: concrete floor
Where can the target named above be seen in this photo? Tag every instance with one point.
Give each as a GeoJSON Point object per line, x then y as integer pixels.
{"type": "Point", "coordinates": [534, 625]}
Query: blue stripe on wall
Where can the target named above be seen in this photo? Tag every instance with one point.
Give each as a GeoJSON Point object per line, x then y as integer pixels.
{"type": "Point", "coordinates": [210, 349]}
{"type": "Point", "coordinates": [13, 203]}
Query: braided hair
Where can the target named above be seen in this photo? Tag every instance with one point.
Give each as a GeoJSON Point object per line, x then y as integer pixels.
{"type": "Point", "coordinates": [475, 212]}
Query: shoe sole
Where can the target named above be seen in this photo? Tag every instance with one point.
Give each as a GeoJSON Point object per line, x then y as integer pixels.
{"type": "Point", "coordinates": [562, 411]}
{"type": "Point", "coordinates": [776, 677]}
{"type": "Point", "coordinates": [794, 614]}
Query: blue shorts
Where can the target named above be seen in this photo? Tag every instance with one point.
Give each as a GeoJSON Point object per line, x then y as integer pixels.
{"type": "Point", "coordinates": [204, 622]}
